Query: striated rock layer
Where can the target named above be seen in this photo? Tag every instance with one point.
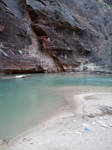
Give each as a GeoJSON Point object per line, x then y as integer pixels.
{"type": "Point", "coordinates": [54, 35]}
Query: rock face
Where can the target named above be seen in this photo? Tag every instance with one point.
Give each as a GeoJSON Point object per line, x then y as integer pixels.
{"type": "Point", "coordinates": [54, 35]}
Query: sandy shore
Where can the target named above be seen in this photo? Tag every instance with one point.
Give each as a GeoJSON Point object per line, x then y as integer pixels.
{"type": "Point", "coordinates": [87, 126]}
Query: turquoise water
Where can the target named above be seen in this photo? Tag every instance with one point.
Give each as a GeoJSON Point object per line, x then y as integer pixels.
{"type": "Point", "coordinates": [25, 102]}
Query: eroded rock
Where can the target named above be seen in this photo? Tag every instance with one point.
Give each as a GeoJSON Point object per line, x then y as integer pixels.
{"type": "Point", "coordinates": [54, 36]}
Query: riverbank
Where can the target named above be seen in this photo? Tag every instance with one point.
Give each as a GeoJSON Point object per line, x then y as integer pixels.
{"type": "Point", "coordinates": [87, 126]}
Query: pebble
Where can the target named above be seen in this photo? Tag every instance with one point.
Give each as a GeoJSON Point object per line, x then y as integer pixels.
{"type": "Point", "coordinates": [93, 123]}
{"type": "Point", "coordinates": [110, 124]}
{"type": "Point", "coordinates": [78, 133]}
{"type": "Point", "coordinates": [100, 121]}
{"type": "Point", "coordinates": [105, 117]}
{"type": "Point", "coordinates": [104, 125]}
{"type": "Point", "coordinates": [87, 129]}
{"type": "Point", "coordinates": [85, 125]}
{"type": "Point", "coordinates": [86, 140]}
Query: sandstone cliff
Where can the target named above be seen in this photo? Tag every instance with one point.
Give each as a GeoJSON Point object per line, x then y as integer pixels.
{"type": "Point", "coordinates": [54, 35]}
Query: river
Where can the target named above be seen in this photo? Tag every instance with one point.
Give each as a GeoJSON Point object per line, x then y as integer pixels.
{"type": "Point", "coordinates": [25, 102]}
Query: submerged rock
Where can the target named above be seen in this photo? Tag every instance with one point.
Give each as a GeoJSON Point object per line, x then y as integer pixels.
{"type": "Point", "coordinates": [21, 76]}
{"type": "Point", "coordinates": [53, 35]}
{"type": "Point", "coordinates": [15, 77]}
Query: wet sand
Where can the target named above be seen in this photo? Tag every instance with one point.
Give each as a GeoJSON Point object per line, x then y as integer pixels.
{"type": "Point", "coordinates": [80, 125]}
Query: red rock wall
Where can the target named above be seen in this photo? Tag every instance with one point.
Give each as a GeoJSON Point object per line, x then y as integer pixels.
{"type": "Point", "coordinates": [53, 35]}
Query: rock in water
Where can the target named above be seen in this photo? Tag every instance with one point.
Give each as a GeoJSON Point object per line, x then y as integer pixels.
{"type": "Point", "coordinates": [53, 35]}
{"type": "Point", "coordinates": [20, 76]}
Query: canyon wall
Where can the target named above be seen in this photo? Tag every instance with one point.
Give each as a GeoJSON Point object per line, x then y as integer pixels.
{"type": "Point", "coordinates": [54, 35]}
